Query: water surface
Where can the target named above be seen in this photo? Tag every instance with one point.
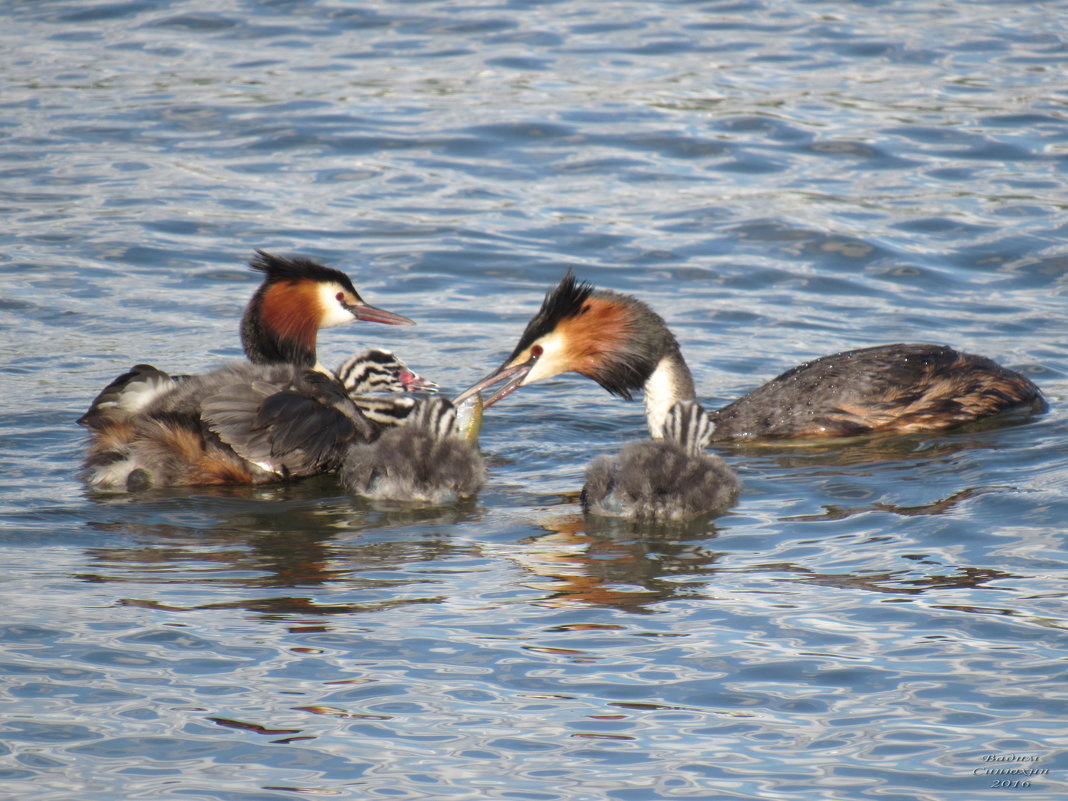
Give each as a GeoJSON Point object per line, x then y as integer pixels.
{"type": "Point", "coordinates": [781, 180]}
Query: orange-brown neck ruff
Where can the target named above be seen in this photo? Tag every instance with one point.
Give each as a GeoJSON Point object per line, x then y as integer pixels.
{"type": "Point", "coordinates": [290, 312]}
{"type": "Point", "coordinates": [601, 330]}
{"type": "Point", "coordinates": [617, 341]}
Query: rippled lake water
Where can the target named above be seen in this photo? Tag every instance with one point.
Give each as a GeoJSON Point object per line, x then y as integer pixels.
{"type": "Point", "coordinates": [781, 180]}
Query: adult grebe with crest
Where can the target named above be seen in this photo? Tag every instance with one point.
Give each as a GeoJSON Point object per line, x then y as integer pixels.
{"type": "Point", "coordinates": [623, 345]}
{"type": "Point", "coordinates": [279, 416]}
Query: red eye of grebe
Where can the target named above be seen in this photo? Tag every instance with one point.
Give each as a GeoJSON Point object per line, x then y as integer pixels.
{"type": "Point", "coordinates": [536, 351]}
{"type": "Point", "coordinates": [340, 297]}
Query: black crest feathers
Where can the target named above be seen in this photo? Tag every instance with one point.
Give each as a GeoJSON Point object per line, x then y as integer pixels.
{"type": "Point", "coordinates": [563, 301]}
{"type": "Point", "coordinates": [285, 268]}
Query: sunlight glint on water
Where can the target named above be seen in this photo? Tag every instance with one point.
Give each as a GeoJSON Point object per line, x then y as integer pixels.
{"type": "Point", "coordinates": [779, 180]}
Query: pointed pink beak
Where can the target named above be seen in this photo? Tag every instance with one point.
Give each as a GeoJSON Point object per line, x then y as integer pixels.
{"type": "Point", "coordinates": [413, 382]}
{"type": "Point", "coordinates": [373, 314]}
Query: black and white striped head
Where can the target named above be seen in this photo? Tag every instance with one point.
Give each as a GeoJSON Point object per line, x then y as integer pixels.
{"type": "Point", "coordinates": [377, 371]}
{"type": "Point", "coordinates": [689, 425]}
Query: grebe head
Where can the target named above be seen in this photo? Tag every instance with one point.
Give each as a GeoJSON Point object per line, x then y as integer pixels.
{"type": "Point", "coordinates": [296, 299]}
{"type": "Point", "coordinates": [379, 371]}
{"type": "Point", "coordinates": [614, 339]}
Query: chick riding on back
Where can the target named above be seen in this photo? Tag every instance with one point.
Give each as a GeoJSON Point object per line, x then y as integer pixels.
{"type": "Point", "coordinates": [279, 416]}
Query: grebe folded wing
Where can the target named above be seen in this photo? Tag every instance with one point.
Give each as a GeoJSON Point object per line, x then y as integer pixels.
{"type": "Point", "coordinates": [128, 394]}
{"type": "Point", "coordinates": [297, 425]}
{"type": "Point", "coordinates": [900, 388]}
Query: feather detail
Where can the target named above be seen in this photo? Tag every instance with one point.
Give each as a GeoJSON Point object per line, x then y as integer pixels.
{"type": "Point", "coordinates": [424, 460]}
{"type": "Point", "coordinates": [667, 479]}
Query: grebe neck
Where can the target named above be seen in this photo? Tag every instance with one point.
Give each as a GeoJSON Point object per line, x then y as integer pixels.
{"type": "Point", "coordinates": [281, 324]}
{"type": "Point", "coordinates": [668, 384]}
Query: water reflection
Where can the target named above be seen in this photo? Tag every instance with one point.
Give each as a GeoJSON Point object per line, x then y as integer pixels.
{"type": "Point", "coordinates": [885, 449]}
{"type": "Point", "coordinates": [615, 563]}
{"type": "Point", "coordinates": [899, 582]}
{"type": "Point", "coordinates": [304, 536]}
{"type": "Point", "coordinates": [940, 506]}
{"type": "Point", "coordinates": [300, 540]}
{"type": "Point", "coordinates": [296, 540]}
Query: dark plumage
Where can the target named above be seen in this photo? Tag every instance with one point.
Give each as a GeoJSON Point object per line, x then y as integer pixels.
{"type": "Point", "coordinates": [127, 393]}
{"type": "Point", "coordinates": [242, 424]}
{"type": "Point", "coordinates": [671, 478]}
{"type": "Point", "coordinates": [295, 268]}
{"type": "Point", "coordinates": [899, 388]}
{"type": "Point", "coordinates": [271, 419]}
{"type": "Point", "coordinates": [423, 460]}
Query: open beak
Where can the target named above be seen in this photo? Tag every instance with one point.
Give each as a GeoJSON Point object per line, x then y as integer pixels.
{"type": "Point", "coordinates": [373, 314]}
{"type": "Point", "coordinates": [512, 376]}
{"type": "Point", "coordinates": [413, 382]}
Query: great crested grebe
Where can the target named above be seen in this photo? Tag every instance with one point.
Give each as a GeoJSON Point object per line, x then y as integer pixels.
{"type": "Point", "coordinates": [625, 346]}
{"type": "Point", "coordinates": [425, 460]}
{"type": "Point", "coordinates": [282, 415]}
{"type": "Point", "coordinates": [670, 478]}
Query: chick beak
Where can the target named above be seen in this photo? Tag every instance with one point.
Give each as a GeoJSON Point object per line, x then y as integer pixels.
{"type": "Point", "coordinates": [373, 314]}
{"type": "Point", "coordinates": [413, 382]}
{"type": "Point", "coordinates": [512, 376]}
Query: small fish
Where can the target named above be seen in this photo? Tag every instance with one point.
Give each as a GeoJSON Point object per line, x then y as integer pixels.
{"type": "Point", "coordinates": [469, 418]}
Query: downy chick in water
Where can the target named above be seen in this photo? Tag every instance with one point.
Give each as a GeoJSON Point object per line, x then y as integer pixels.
{"type": "Point", "coordinates": [424, 460]}
{"type": "Point", "coordinates": [671, 478]}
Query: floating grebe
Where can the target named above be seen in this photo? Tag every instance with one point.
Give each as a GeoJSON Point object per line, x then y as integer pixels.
{"type": "Point", "coordinates": [670, 478]}
{"type": "Point", "coordinates": [281, 416]}
{"type": "Point", "coordinates": [424, 460]}
{"type": "Point", "coordinates": [625, 346]}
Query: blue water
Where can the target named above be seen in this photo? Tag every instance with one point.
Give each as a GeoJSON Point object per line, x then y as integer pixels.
{"type": "Point", "coordinates": [780, 180]}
